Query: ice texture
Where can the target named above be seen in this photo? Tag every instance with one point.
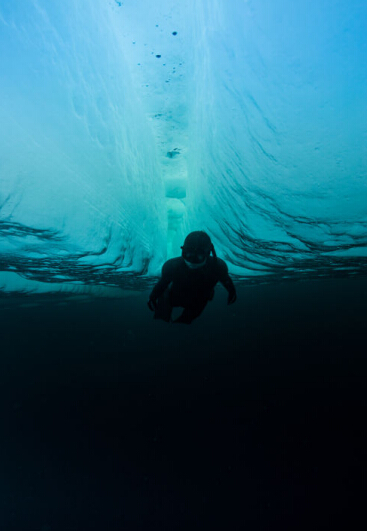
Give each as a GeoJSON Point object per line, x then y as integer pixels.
{"type": "Point", "coordinates": [126, 125]}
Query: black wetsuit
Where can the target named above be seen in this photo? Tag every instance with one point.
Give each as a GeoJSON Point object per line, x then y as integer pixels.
{"type": "Point", "coordinates": [189, 288]}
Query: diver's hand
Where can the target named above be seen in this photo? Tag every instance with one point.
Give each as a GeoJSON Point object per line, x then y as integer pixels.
{"type": "Point", "coordinates": [152, 305]}
{"type": "Point", "coordinates": [232, 297]}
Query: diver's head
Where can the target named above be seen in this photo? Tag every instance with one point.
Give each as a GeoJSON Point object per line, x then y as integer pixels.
{"type": "Point", "coordinates": [196, 249]}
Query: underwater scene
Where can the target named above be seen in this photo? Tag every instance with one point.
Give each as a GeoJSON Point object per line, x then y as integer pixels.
{"type": "Point", "coordinates": [183, 264]}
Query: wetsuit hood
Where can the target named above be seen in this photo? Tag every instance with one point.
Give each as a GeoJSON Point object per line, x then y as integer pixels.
{"type": "Point", "coordinates": [196, 249]}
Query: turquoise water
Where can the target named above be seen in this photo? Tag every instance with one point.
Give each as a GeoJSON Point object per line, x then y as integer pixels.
{"type": "Point", "coordinates": [127, 125]}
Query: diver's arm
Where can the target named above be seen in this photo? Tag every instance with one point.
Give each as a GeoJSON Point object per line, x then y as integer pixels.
{"type": "Point", "coordinates": [227, 282]}
{"type": "Point", "coordinates": [162, 284]}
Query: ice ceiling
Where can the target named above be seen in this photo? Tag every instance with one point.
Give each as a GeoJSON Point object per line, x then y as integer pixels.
{"type": "Point", "coordinates": [125, 125]}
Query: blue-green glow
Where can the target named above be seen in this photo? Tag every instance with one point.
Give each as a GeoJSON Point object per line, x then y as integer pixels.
{"type": "Point", "coordinates": [125, 125]}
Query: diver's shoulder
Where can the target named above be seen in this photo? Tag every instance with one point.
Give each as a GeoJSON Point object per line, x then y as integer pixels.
{"type": "Point", "coordinates": [221, 262]}
{"type": "Point", "coordinates": [220, 267]}
{"type": "Point", "coordinates": [218, 262]}
{"type": "Point", "coordinates": [172, 263]}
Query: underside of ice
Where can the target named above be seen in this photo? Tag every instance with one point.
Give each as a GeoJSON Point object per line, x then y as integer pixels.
{"type": "Point", "coordinates": [126, 125]}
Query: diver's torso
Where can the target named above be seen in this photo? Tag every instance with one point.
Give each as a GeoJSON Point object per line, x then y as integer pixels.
{"type": "Point", "coordinates": [194, 283]}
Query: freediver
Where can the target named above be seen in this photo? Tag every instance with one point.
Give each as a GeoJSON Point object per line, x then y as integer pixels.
{"type": "Point", "coordinates": [188, 281]}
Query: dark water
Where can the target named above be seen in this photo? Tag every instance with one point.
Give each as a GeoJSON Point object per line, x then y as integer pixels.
{"type": "Point", "coordinates": [251, 418]}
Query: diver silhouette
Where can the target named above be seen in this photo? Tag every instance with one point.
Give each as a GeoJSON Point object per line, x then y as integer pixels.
{"type": "Point", "coordinates": [188, 281]}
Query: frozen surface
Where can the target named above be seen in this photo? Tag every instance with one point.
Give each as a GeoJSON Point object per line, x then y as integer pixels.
{"type": "Point", "coordinates": [125, 125]}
